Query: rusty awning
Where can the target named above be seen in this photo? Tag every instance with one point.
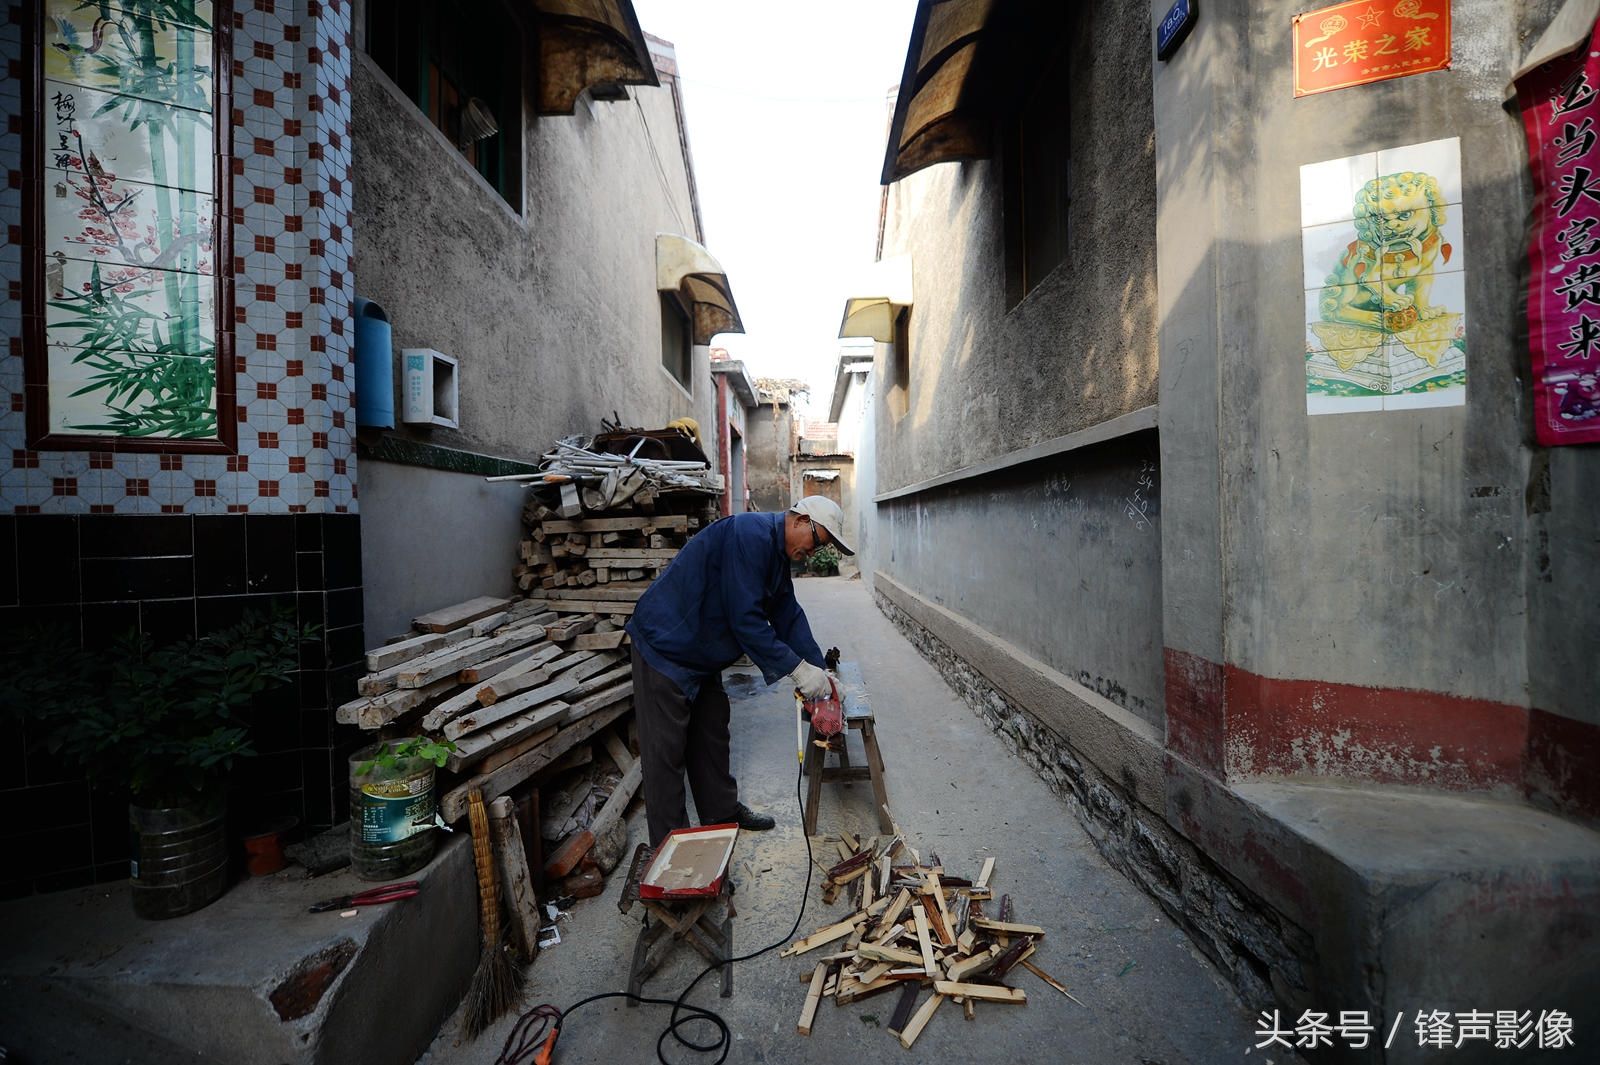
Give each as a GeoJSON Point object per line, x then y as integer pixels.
{"type": "Point", "coordinates": [684, 267]}
{"type": "Point", "coordinates": [942, 111]}
{"type": "Point", "coordinates": [584, 44]}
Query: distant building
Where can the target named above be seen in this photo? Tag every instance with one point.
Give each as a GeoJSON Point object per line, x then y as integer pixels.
{"type": "Point", "coordinates": [771, 443]}
{"type": "Point", "coordinates": [736, 397]}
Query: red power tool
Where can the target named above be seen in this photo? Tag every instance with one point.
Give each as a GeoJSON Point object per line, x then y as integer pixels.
{"type": "Point", "coordinates": [827, 713]}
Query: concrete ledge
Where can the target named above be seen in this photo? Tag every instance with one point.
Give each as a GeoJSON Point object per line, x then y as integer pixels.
{"type": "Point", "coordinates": [1135, 421]}
{"type": "Point", "coordinates": [1311, 895]}
{"type": "Point", "coordinates": [1411, 896]}
{"type": "Point", "coordinates": [252, 979]}
{"type": "Point", "coordinates": [1126, 746]}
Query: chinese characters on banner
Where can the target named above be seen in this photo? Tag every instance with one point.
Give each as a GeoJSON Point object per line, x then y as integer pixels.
{"type": "Point", "coordinates": [1560, 114]}
{"type": "Point", "coordinates": [1369, 40]}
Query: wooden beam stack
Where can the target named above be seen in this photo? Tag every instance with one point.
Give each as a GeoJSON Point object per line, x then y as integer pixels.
{"type": "Point", "coordinates": [591, 566]}
{"type": "Point", "coordinates": [914, 929]}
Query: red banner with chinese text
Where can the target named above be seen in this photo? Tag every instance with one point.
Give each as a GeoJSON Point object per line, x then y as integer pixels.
{"type": "Point", "coordinates": [1560, 104]}
{"type": "Point", "coordinates": [1365, 41]}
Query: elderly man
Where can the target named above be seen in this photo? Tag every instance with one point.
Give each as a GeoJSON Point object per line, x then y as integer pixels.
{"type": "Point", "coordinates": [727, 592]}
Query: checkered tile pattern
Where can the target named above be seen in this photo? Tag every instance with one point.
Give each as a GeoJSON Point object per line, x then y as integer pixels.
{"type": "Point", "coordinates": [294, 355]}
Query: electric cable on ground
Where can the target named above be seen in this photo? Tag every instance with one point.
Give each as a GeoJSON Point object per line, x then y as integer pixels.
{"type": "Point", "coordinates": [537, 1030]}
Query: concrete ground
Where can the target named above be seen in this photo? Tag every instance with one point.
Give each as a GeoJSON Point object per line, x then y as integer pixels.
{"type": "Point", "coordinates": [1148, 996]}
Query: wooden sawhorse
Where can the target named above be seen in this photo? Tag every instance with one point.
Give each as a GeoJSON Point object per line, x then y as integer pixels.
{"type": "Point", "coordinates": [671, 921]}
{"type": "Point", "coordinates": [858, 716]}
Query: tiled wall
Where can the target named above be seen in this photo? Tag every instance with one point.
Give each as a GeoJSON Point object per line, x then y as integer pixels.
{"type": "Point", "coordinates": [174, 544]}
{"type": "Point", "coordinates": [295, 373]}
{"type": "Point", "coordinates": [173, 577]}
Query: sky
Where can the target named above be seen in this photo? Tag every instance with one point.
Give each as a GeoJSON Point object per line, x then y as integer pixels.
{"type": "Point", "coordinates": [788, 117]}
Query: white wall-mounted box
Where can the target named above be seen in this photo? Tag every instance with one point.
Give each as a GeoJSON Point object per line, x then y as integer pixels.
{"type": "Point", "coordinates": [430, 387]}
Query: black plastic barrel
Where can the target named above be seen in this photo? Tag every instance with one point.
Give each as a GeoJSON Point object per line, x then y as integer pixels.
{"type": "Point", "coordinates": [391, 816]}
{"type": "Point", "coordinates": [179, 858]}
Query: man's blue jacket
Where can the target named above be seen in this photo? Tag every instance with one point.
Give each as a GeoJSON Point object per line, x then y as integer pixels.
{"type": "Point", "coordinates": [728, 591]}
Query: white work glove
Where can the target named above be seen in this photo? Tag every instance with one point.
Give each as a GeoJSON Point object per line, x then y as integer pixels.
{"type": "Point", "coordinates": [809, 681]}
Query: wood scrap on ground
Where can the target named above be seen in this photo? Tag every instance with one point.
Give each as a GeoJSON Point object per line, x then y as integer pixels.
{"type": "Point", "coordinates": [919, 929]}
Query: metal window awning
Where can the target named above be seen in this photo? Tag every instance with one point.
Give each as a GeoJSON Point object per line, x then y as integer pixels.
{"type": "Point", "coordinates": [942, 112]}
{"type": "Point", "coordinates": [884, 289]}
{"type": "Point", "coordinates": [584, 44]}
{"type": "Point", "coordinates": [684, 267]}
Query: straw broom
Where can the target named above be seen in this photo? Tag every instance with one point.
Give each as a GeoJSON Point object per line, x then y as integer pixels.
{"type": "Point", "coordinates": [498, 982]}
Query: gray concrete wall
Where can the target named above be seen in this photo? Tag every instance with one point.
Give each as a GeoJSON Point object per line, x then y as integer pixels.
{"type": "Point", "coordinates": [550, 304]}
{"type": "Point", "coordinates": [1380, 549]}
{"type": "Point", "coordinates": [1383, 549]}
{"type": "Point", "coordinates": [553, 312]}
{"type": "Point", "coordinates": [1044, 554]}
{"type": "Point", "coordinates": [767, 451]}
{"type": "Point", "coordinates": [1049, 558]}
{"type": "Point", "coordinates": [856, 425]}
{"type": "Point", "coordinates": [443, 538]}
{"type": "Point", "coordinates": [1080, 348]}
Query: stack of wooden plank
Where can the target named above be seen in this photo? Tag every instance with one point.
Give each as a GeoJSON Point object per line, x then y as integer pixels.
{"type": "Point", "coordinates": [591, 566]}
{"type": "Point", "coordinates": [500, 678]}
{"type": "Point", "coordinates": [600, 562]}
{"type": "Point", "coordinates": [915, 928]}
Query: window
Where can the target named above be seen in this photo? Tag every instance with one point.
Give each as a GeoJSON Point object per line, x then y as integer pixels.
{"type": "Point", "coordinates": [461, 63]}
{"type": "Point", "coordinates": [129, 331]}
{"type": "Point", "coordinates": [676, 354]}
{"type": "Point", "coordinates": [1036, 158]}
{"type": "Point", "coordinates": [900, 366]}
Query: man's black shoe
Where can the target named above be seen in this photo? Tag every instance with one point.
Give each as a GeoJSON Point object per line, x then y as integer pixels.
{"type": "Point", "coordinates": [751, 821]}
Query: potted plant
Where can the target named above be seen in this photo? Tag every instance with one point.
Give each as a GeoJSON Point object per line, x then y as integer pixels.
{"type": "Point", "coordinates": [392, 806]}
{"type": "Point", "coordinates": [824, 561]}
{"type": "Point", "coordinates": [163, 723]}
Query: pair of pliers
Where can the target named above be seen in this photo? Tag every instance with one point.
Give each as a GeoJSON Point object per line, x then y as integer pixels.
{"type": "Point", "coordinates": [371, 897]}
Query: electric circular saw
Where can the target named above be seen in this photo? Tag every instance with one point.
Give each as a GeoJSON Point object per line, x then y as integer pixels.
{"type": "Point", "coordinates": [826, 714]}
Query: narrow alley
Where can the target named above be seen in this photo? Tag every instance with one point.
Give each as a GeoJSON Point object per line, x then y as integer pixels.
{"type": "Point", "coordinates": [1148, 997]}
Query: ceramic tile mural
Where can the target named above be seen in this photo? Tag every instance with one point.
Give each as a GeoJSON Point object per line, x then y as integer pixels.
{"type": "Point", "coordinates": [129, 339]}
{"type": "Point", "coordinates": [289, 181]}
{"type": "Point", "coordinates": [1385, 280]}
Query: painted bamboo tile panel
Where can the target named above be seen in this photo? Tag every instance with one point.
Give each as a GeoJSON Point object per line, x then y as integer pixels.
{"type": "Point", "coordinates": [130, 218]}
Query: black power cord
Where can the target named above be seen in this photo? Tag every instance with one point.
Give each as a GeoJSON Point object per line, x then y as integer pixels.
{"type": "Point", "coordinates": [542, 1024]}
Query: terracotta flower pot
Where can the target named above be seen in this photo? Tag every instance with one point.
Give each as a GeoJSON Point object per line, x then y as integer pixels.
{"type": "Point", "coordinates": [263, 850]}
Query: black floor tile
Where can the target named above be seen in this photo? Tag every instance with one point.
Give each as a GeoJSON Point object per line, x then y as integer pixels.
{"type": "Point", "coordinates": [47, 559]}
{"type": "Point", "coordinates": [219, 555]}
{"type": "Point", "coordinates": [56, 849]}
{"type": "Point", "coordinates": [136, 535]}
{"type": "Point", "coordinates": [308, 571]}
{"type": "Point", "coordinates": [8, 559]}
{"type": "Point", "coordinates": [346, 647]}
{"type": "Point", "coordinates": [341, 548]}
{"type": "Point", "coordinates": [344, 608]}
{"type": "Point", "coordinates": [62, 805]}
{"type": "Point", "coordinates": [167, 620]}
{"type": "Point", "coordinates": [308, 532]}
{"type": "Point", "coordinates": [137, 578]}
{"type": "Point", "coordinates": [106, 623]}
{"type": "Point", "coordinates": [270, 553]}
{"type": "Point", "coordinates": [74, 878]}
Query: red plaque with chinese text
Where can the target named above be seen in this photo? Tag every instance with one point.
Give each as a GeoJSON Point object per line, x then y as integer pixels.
{"type": "Point", "coordinates": [1560, 104]}
{"type": "Point", "coordinates": [1369, 40]}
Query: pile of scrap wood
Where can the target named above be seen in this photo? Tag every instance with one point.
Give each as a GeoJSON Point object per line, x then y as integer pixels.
{"type": "Point", "coordinates": [915, 928]}
{"type": "Point", "coordinates": [590, 557]}
{"type": "Point", "coordinates": [504, 680]}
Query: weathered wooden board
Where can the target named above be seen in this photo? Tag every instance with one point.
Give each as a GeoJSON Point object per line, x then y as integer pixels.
{"type": "Point", "coordinates": [453, 617]}
{"type": "Point", "coordinates": [453, 806]}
